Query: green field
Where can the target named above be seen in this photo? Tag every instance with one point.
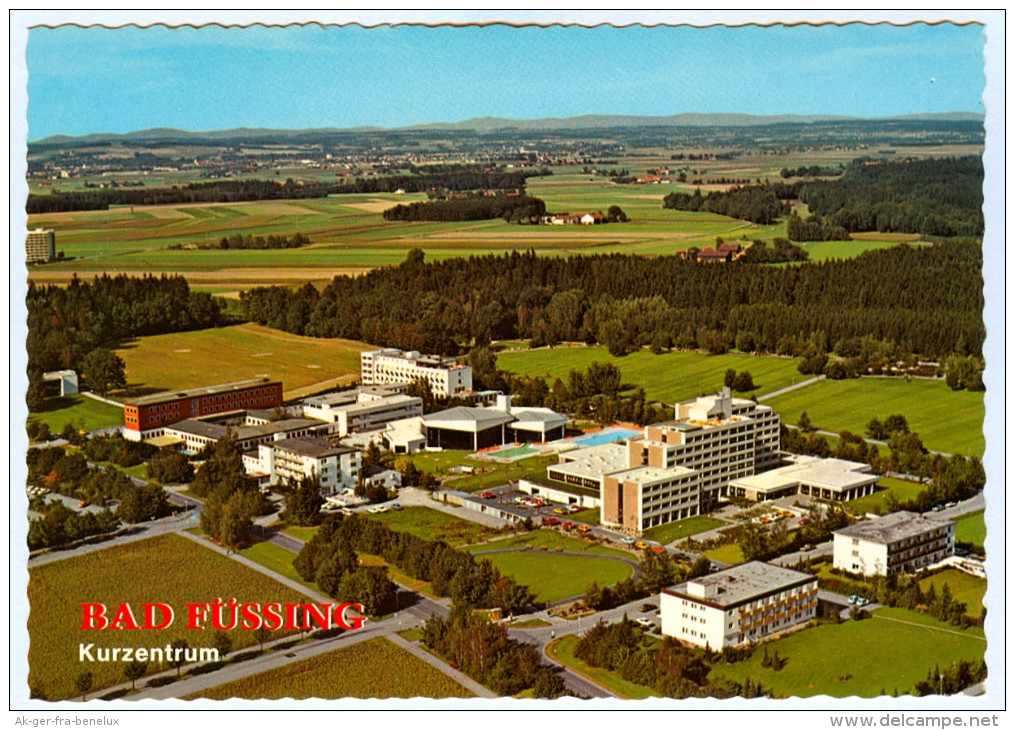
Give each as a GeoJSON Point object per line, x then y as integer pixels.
{"type": "Point", "coordinates": [551, 540]}
{"type": "Point", "coordinates": [167, 569]}
{"type": "Point", "coordinates": [682, 528]}
{"type": "Point", "coordinates": [431, 524]}
{"type": "Point", "coordinates": [964, 588]}
{"type": "Point", "coordinates": [946, 420]}
{"type": "Point", "coordinates": [877, 655]}
{"type": "Point", "coordinates": [276, 558]}
{"type": "Point", "coordinates": [191, 359]}
{"type": "Point", "coordinates": [563, 651]}
{"type": "Point", "coordinates": [82, 411]}
{"type": "Point", "coordinates": [731, 554]}
{"type": "Point", "coordinates": [371, 669]}
{"type": "Point", "coordinates": [875, 503]}
{"type": "Point", "coordinates": [588, 516]}
{"type": "Point", "coordinates": [554, 577]}
{"type": "Point", "coordinates": [489, 473]}
{"type": "Point", "coordinates": [971, 528]}
{"type": "Point", "coordinates": [669, 377]}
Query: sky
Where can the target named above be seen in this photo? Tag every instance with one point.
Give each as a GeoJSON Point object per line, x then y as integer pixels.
{"type": "Point", "coordinates": [94, 79]}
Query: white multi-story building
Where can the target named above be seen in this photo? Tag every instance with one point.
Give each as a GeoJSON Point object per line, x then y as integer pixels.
{"type": "Point", "coordinates": [830, 479]}
{"type": "Point", "coordinates": [444, 375]}
{"type": "Point", "coordinates": [739, 605]}
{"type": "Point", "coordinates": [902, 542]}
{"type": "Point", "coordinates": [362, 410]}
{"type": "Point", "coordinates": [40, 246]}
{"type": "Point", "coordinates": [336, 467]}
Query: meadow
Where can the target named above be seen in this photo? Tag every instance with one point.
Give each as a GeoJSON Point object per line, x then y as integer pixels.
{"type": "Point", "coordinates": [277, 559]}
{"type": "Point", "coordinates": [488, 473]}
{"type": "Point", "coordinates": [682, 528]}
{"type": "Point", "coordinates": [669, 377]}
{"type": "Point", "coordinates": [431, 524]}
{"type": "Point", "coordinates": [80, 410]}
{"type": "Point", "coordinates": [167, 569]}
{"type": "Point", "coordinates": [229, 354]}
{"type": "Point", "coordinates": [550, 540]}
{"type": "Point", "coordinates": [946, 420]}
{"type": "Point", "coordinates": [554, 577]}
{"type": "Point", "coordinates": [563, 651]}
{"type": "Point", "coordinates": [971, 528]}
{"type": "Point", "coordinates": [964, 588]}
{"type": "Point", "coordinates": [875, 503]}
{"type": "Point", "coordinates": [859, 648]}
{"type": "Point", "coordinates": [380, 670]}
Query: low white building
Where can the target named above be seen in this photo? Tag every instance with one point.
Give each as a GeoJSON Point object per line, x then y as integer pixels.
{"type": "Point", "coordinates": [831, 479]}
{"type": "Point", "coordinates": [745, 603]}
{"type": "Point", "coordinates": [902, 542]}
{"type": "Point", "coordinates": [366, 409]}
{"type": "Point", "coordinates": [336, 467]}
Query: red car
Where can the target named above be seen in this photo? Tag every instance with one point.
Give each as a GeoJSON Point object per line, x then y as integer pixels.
{"type": "Point", "coordinates": [488, 495]}
{"type": "Point", "coordinates": [568, 525]}
{"type": "Point", "coordinates": [551, 521]}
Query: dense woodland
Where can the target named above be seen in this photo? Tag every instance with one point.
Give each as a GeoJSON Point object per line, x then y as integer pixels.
{"type": "Point", "coordinates": [756, 203]}
{"type": "Point", "coordinates": [233, 191]}
{"type": "Point", "coordinates": [66, 323]}
{"type": "Point", "coordinates": [925, 300]}
{"type": "Point", "coordinates": [516, 208]}
{"type": "Point", "coordinates": [935, 197]}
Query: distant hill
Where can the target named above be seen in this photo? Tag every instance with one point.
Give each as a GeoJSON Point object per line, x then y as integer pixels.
{"type": "Point", "coordinates": [492, 124]}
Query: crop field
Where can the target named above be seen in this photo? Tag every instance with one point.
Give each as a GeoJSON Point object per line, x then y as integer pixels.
{"type": "Point", "coordinates": [964, 588]}
{"type": "Point", "coordinates": [228, 354]}
{"type": "Point", "coordinates": [431, 524]}
{"type": "Point", "coordinates": [82, 411]}
{"type": "Point", "coordinates": [669, 377]}
{"type": "Point", "coordinates": [554, 577]}
{"type": "Point", "coordinates": [971, 528]}
{"type": "Point", "coordinates": [370, 669]}
{"type": "Point", "coordinates": [946, 420]}
{"type": "Point", "coordinates": [859, 648]}
{"type": "Point", "coordinates": [902, 489]}
{"type": "Point", "coordinates": [683, 528]}
{"type": "Point", "coordinates": [166, 569]}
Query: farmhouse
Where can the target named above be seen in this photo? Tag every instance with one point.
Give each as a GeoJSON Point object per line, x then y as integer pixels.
{"type": "Point", "coordinates": [902, 542]}
{"type": "Point", "coordinates": [741, 604]}
{"type": "Point", "coordinates": [444, 375]}
{"type": "Point", "coordinates": [336, 467]}
{"type": "Point", "coordinates": [148, 416]}
{"type": "Point", "coordinates": [709, 255]}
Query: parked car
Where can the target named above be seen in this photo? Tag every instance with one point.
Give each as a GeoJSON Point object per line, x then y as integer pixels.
{"type": "Point", "coordinates": [641, 545]}
{"type": "Point", "coordinates": [347, 512]}
{"type": "Point", "coordinates": [568, 525]}
{"type": "Point", "coordinates": [559, 511]}
{"type": "Point", "coordinates": [646, 607]}
{"type": "Point", "coordinates": [646, 623]}
{"type": "Point", "coordinates": [627, 540]}
{"type": "Point", "coordinates": [861, 601]}
{"type": "Point", "coordinates": [806, 548]}
{"type": "Point", "coordinates": [488, 495]}
{"type": "Point", "coordinates": [658, 549]}
{"type": "Point", "coordinates": [83, 503]}
{"type": "Point", "coordinates": [584, 528]}
{"type": "Point", "coordinates": [396, 506]}
{"type": "Point", "coordinates": [551, 521]}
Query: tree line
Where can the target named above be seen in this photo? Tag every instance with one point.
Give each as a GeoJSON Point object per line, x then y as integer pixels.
{"type": "Point", "coordinates": [629, 302]}
{"type": "Point", "coordinates": [755, 203]}
{"type": "Point", "coordinates": [517, 208]}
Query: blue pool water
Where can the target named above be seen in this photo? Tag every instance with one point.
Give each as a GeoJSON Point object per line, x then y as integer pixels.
{"type": "Point", "coordinates": [607, 435]}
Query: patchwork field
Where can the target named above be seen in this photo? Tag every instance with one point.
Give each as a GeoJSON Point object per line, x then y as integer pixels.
{"type": "Point", "coordinates": [80, 410]}
{"type": "Point", "coordinates": [166, 569]}
{"type": "Point", "coordinates": [946, 420]}
{"type": "Point", "coordinates": [371, 669]}
{"type": "Point", "coordinates": [554, 577]}
{"type": "Point", "coordinates": [859, 648]}
{"type": "Point", "coordinates": [228, 354]}
{"type": "Point", "coordinates": [669, 377]}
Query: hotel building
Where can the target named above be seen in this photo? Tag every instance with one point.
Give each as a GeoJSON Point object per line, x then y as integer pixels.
{"type": "Point", "coordinates": [445, 376]}
{"type": "Point", "coordinates": [902, 542]}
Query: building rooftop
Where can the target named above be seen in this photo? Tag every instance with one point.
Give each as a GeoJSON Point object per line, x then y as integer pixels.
{"type": "Point", "coordinates": [593, 461]}
{"type": "Point", "coordinates": [213, 430]}
{"type": "Point", "coordinates": [540, 416]}
{"type": "Point", "coordinates": [740, 584]}
{"type": "Point", "coordinates": [465, 417]}
{"type": "Point", "coordinates": [313, 447]}
{"type": "Point", "coordinates": [650, 474]}
{"type": "Point", "coordinates": [894, 527]}
{"type": "Point", "coordinates": [837, 474]}
{"type": "Point", "coordinates": [198, 392]}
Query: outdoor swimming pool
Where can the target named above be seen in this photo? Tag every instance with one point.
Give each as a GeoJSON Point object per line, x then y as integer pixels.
{"type": "Point", "coordinates": [607, 435]}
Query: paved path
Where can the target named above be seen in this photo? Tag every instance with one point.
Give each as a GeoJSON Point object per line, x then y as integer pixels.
{"type": "Point", "coordinates": [822, 432]}
{"type": "Point", "coordinates": [931, 628]}
{"type": "Point", "coordinates": [789, 388]}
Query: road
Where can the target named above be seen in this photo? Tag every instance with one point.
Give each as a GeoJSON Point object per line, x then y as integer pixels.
{"type": "Point", "coordinates": [790, 388]}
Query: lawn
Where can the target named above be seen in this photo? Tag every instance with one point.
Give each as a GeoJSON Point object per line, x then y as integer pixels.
{"type": "Point", "coordinates": [964, 588]}
{"type": "Point", "coordinates": [824, 250]}
{"type": "Point", "coordinates": [277, 559]}
{"type": "Point", "coordinates": [731, 554]}
{"type": "Point", "coordinates": [166, 569]}
{"type": "Point", "coordinates": [859, 649]}
{"type": "Point", "coordinates": [563, 651]}
{"type": "Point", "coordinates": [946, 420]}
{"type": "Point", "coordinates": [554, 577]}
{"type": "Point", "coordinates": [551, 540]}
{"type": "Point", "coordinates": [971, 528]}
{"type": "Point", "coordinates": [192, 359]}
{"type": "Point", "coordinates": [682, 528]}
{"type": "Point", "coordinates": [669, 377]}
{"type": "Point", "coordinates": [80, 410]}
{"type": "Point", "coordinates": [371, 669]}
{"type": "Point", "coordinates": [492, 474]}
{"type": "Point", "coordinates": [431, 524]}
{"type": "Point", "coordinates": [902, 489]}
{"type": "Point", "coordinates": [588, 516]}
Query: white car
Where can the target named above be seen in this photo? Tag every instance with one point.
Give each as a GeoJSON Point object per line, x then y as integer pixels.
{"type": "Point", "coordinates": [646, 623]}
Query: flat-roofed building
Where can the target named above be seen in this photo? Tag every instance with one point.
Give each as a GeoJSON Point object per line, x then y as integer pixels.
{"type": "Point", "coordinates": [745, 603]}
{"type": "Point", "coordinates": [445, 375]}
{"type": "Point", "coordinates": [831, 479]}
{"type": "Point", "coordinates": [589, 466]}
{"type": "Point", "coordinates": [361, 410]}
{"type": "Point", "coordinates": [196, 433]}
{"type": "Point", "coordinates": [40, 246]}
{"type": "Point", "coordinates": [644, 497]}
{"type": "Point", "coordinates": [281, 459]}
{"type": "Point", "coordinates": [466, 428]}
{"type": "Point", "coordinates": [148, 416]}
{"type": "Point", "coordinates": [902, 542]}
{"type": "Point", "coordinates": [406, 436]}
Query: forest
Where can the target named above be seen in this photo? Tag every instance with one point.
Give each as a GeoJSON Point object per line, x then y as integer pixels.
{"type": "Point", "coordinates": [923, 300]}
{"type": "Point", "coordinates": [941, 197]}
{"type": "Point", "coordinates": [756, 203]}
{"type": "Point", "coordinates": [516, 208]}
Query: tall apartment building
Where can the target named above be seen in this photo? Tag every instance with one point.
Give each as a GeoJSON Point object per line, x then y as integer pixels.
{"type": "Point", "coordinates": [720, 437]}
{"type": "Point", "coordinates": [444, 375]}
{"type": "Point", "coordinates": [148, 416]}
{"type": "Point", "coordinates": [902, 542]}
{"type": "Point", "coordinates": [741, 604]}
{"type": "Point", "coordinates": [40, 246]}
{"type": "Point", "coordinates": [336, 467]}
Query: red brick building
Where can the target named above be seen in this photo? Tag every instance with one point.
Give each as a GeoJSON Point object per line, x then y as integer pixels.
{"type": "Point", "coordinates": [145, 417]}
